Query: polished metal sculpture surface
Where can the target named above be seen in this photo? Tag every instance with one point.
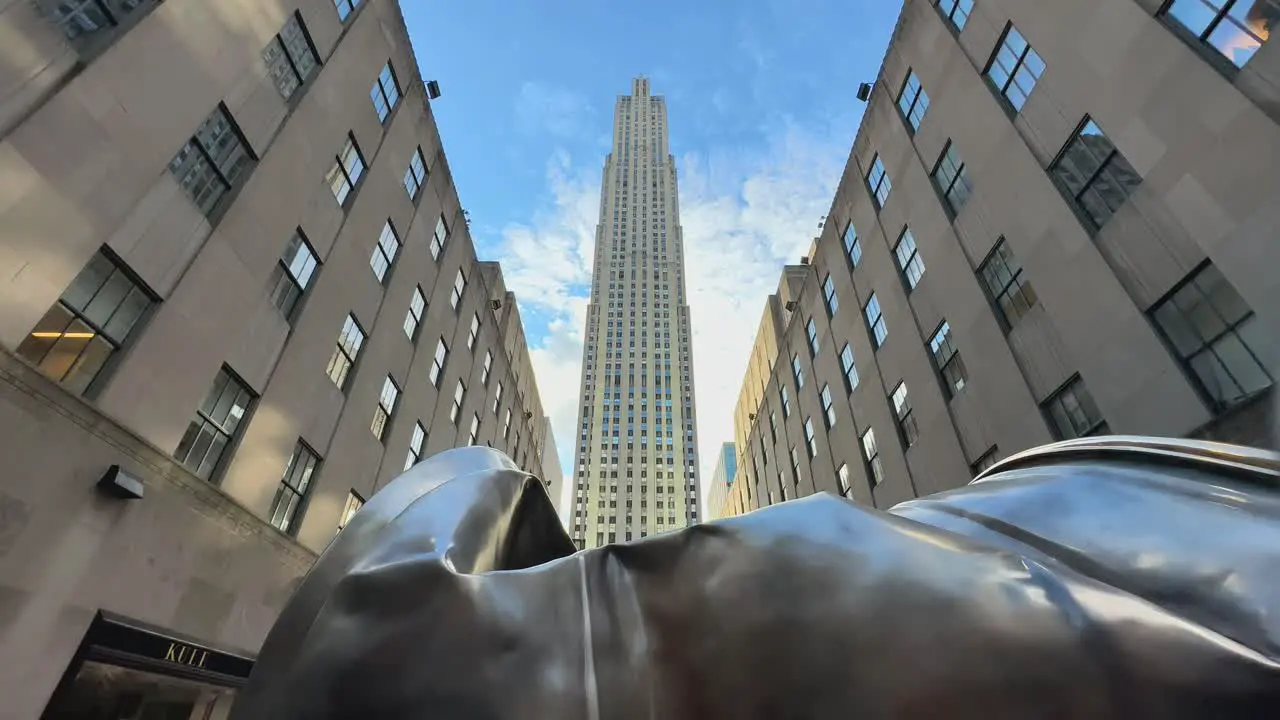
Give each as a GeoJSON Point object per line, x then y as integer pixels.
{"type": "Point", "coordinates": [1114, 577]}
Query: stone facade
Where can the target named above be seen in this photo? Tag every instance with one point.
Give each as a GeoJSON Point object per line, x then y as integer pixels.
{"type": "Point", "coordinates": [1187, 201]}
{"type": "Point", "coordinates": [93, 116]}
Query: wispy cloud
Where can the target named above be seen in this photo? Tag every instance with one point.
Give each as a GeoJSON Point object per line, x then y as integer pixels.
{"type": "Point", "coordinates": [542, 107]}
{"type": "Point", "coordinates": [744, 215]}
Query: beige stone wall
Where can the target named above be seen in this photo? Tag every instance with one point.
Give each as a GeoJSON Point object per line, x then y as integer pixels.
{"type": "Point", "coordinates": [1203, 141]}
{"type": "Point", "coordinates": [85, 142]}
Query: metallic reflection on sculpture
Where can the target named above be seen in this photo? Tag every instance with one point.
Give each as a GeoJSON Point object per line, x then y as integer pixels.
{"type": "Point", "coordinates": [1104, 578]}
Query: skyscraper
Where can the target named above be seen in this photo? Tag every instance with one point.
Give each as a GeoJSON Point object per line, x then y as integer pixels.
{"type": "Point", "coordinates": [636, 460]}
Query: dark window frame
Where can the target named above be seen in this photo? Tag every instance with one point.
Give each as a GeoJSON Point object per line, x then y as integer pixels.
{"type": "Point", "coordinates": [416, 317]}
{"type": "Point", "coordinates": [301, 81]}
{"type": "Point", "coordinates": [1200, 42]}
{"type": "Point", "coordinates": [289, 492]}
{"type": "Point", "coordinates": [908, 113]}
{"type": "Point", "coordinates": [419, 181]}
{"type": "Point", "coordinates": [206, 418]}
{"type": "Point", "coordinates": [912, 268]}
{"type": "Point", "coordinates": [881, 335]}
{"type": "Point", "coordinates": [830, 298]}
{"type": "Point", "coordinates": [811, 337]}
{"type": "Point", "coordinates": [417, 440]}
{"type": "Point", "coordinates": [284, 276]}
{"type": "Point", "coordinates": [340, 350]}
{"type": "Point", "coordinates": [379, 90]}
{"type": "Point", "coordinates": [883, 181]}
{"type": "Point", "coordinates": [231, 190]}
{"type": "Point", "coordinates": [828, 405]}
{"type": "Point", "coordinates": [387, 254]}
{"type": "Point", "coordinates": [1113, 158]}
{"type": "Point", "coordinates": [340, 167]}
{"type": "Point", "coordinates": [91, 42]}
{"type": "Point", "coordinates": [439, 243]}
{"type": "Point", "coordinates": [852, 245]}
{"type": "Point", "coordinates": [1097, 426]}
{"type": "Point", "coordinates": [1207, 345]}
{"type": "Point", "coordinates": [949, 15]}
{"type": "Point", "coordinates": [951, 370]}
{"type": "Point", "coordinates": [849, 368]}
{"type": "Point", "coordinates": [1024, 288]}
{"type": "Point", "coordinates": [871, 457]}
{"type": "Point", "coordinates": [908, 430]}
{"type": "Point", "coordinates": [984, 461]}
{"type": "Point", "coordinates": [961, 178]}
{"type": "Point", "coordinates": [1001, 90]}
{"type": "Point", "coordinates": [351, 6]}
{"type": "Point", "coordinates": [118, 347]}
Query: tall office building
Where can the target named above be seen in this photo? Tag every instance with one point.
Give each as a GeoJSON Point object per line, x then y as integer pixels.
{"type": "Point", "coordinates": [237, 297]}
{"type": "Point", "coordinates": [636, 459]}
{"type": "Point", "coordinates": [721, 481]}
{"type": "Point", "coordinates": [1057, 220]}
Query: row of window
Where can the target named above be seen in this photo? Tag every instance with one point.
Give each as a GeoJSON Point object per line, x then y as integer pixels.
{"type": "Point", "coordinates": [1215, 341]}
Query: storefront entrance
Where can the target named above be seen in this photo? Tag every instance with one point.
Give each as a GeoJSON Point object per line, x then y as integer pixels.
{"type": "Point", "coordinates": [125, 670]}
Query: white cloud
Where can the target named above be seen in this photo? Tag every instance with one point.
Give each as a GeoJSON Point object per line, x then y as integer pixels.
{"type": "Point", "coordinates": [744, 215]}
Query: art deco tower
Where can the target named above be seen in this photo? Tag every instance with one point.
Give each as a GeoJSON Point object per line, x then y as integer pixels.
{"type": "Point", "coordinates": [636, 460]}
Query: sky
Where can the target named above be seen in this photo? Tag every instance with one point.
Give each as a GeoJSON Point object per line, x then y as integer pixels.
{"type": "Point", "coordinates": [762, 115]}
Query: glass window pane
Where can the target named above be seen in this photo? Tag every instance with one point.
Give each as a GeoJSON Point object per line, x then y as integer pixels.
{"type": "Point", "coordinates": [45, 334]}
{"type": "Point", "coordinates": [1232, 41]}
{"type": "Point", "coordinates": [1224, 298]}
{"type": "Point", "coordinates": [1195, 15]}
{"type": "Point", "coordinates": [127, 315]}
{"type": "Point", "coordinates": [1248, 374]}
{"type": "Point", "coordinates": [295, 42]}
{"type": "Point", "coordinates": [104, 304]}
{"type": "Point", "coordinates": [89, 280]}
{"type": "Point", "coordinates": [217, 445]}
{"type": "Point", "coordinates": [1214, 377]}
{"type": "Point", "coordinates": [63, 358]}
{"type": "Point", "coordinates": [279, 69]}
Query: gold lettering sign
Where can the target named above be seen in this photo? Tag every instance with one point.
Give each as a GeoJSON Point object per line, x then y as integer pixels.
{"type": "Point", "coordinates": [186, 655]}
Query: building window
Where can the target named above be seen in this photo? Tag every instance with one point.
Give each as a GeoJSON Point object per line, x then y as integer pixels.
{"type": "Point", "coordinates": [986, 460]}
{"type": "Point", "coordinates": [842, 476]}
{"type": "Point", "coordinates": [290, 58]}
{"type": "Point", "coordinates": [852, 246]}
{"type": "Point", "coordinates": [497, 398]}
{"type": "Point", "coordinates": [786, 401]}
{"type": "Point", "coordinates": [474, 432]}
{"type": "Point", "coordinates": [455, 410]}
{"type": "Point", "coordinates": [1234, 28]}
{"type": "Point", "coordinates": [1216, 336]}
{"type": "Point", "coordinates": [386, 407]}
{"type": "Point", "coordinates": [473, 333]}
{"type": "Point", "coordinates": [913, 101]}
{"type": "Point", "coordinates": [413, 318]}
{"type": "Point", "coordinates": [906, 422]}
{"type": "Point", "coordinates": [88, 324]}
{"type": "Point", "coordinates": [848, 368]}
{"type": "Point", "coordinates": [215, 425]}
{"type": "Point", "coordinates": [878, 182]}
{"type": "Point", "coordinates": [485, 368]}
{"type": "Point", "coordinates": [875, 321]}
{"type": "Point", "coordinates": [293, 274]}
{"type": "Point", "coordinates": [952, 181]}
{"type": "Point", "coordinates": [829, 293]}
{"type": "Point", "coordinates": [810, 440]}
{"type": "Point", "coordinates": [438, 238]}
{"type": "Point", "coordinates": [385, 92]}
{"type": "Point", "coordinates": [459, 287]}
{"type": "Point", "coordinates": [871, 453]}
{"type": "Point", "coordinates": [828, 407]}
{"type": "Point", "coordinates": [384, 252]}
{"type": "Point", "coordinates": [1002, 276]}
{"type": "Point", "coordinates": [1014, 68]}
{"type": "Point", "coordinates": [85, 21]}
{"type": "Point", "coordinates": [811, 330]}
{"type": "Point", "coordinates": [947, 359]}
{"type": "Point", "coordinates": [773, 431]}
{"type": "Point", "coordinates": [506, 426]}
{"type": "Point", "coordinates": [345, 8]}
{"type": "Point", "coordinates": [956, 12]}
{"type": "Point", "coordinates": [909, 260]}
{"type": "Point", "coordinates": [416, 175]}
{"type": "Point", "coordinates": [293, 488]}
{"type": "Point", "coordinates": [416, 441]}
{"type": "Point", "coordinates": [797, 371]}
{"type": "Point", "coordinates": [354, 503]}
{"type": "Point", "coordinates": [347, 170]}
{"type": "Point", "coordinates": [215, 161]}
{"type": "Point", "coordinates": [438, 361]}
{"type": "Point", "coordinates": [350, 340]}
{"type": "Point", "coordinates": [1072, 413]}
{"type": "Point", "coordinates": [1095, 175]}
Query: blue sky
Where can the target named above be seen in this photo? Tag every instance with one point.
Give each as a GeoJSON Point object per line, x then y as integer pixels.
{"type": "Point", "coordinates": [760, 98]}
